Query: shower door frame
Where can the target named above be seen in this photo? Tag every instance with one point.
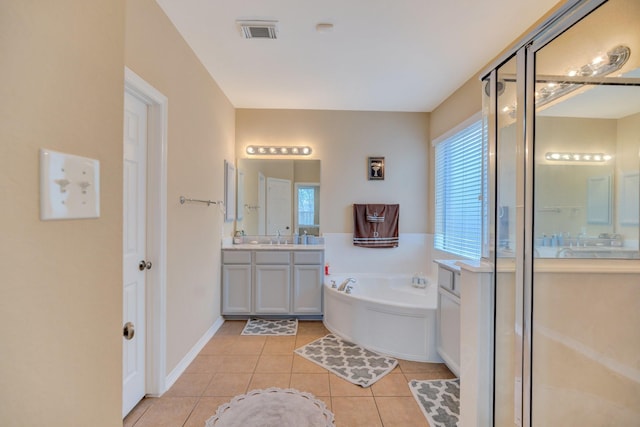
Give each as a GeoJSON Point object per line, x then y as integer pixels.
{"type": "Point", "coordinates": [525, 51]}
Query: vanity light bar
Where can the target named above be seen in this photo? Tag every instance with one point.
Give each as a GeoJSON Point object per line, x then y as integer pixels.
{"type": "Point", "coordinates": [278, 150]}
{"type": "Point", "coordinates": [600, 66]}
{"type": "Point", "coordinates": [578, 157]}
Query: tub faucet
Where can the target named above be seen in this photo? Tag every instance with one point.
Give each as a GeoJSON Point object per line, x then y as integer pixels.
{"type": "Point", "coordinates": [419, 281]}
{"type": "Point", "coordinates": [345, 283]}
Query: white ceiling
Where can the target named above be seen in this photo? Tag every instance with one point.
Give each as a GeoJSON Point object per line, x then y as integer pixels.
{"type": "Point", "coordinates": [382, 55]}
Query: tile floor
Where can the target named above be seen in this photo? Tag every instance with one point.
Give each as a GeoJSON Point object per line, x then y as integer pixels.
{"type": "Point", "coordinates": [232, 364]}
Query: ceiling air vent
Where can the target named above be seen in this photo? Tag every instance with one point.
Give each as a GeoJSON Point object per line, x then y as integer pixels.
{"type": "Point", "coordinates": [258, 29]}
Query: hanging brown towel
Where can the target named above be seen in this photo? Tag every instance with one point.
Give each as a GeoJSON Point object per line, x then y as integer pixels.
{"type": "Point", "coordinates": [371, 232]}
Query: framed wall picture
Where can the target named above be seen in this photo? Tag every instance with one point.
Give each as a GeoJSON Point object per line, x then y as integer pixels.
{"type": "Point", "coordinates": [376, 168]}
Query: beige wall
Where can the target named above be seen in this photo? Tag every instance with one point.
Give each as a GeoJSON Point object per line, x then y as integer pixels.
{"type": "Point", "coordinates": [201, 136]}
{"type": "Point", "coordinates": [60, 281]}
{"type": "Point", "coordinates": [343, 140]}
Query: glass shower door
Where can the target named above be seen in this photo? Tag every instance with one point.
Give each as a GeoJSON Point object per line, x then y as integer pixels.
{"type": "Point", "coordinates": [509, 173]}
{"type": "Point", "coordinates": [585, 273]}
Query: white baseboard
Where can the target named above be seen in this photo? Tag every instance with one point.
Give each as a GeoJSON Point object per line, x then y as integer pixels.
{"type": "Point", "coordinates": [191, 355]}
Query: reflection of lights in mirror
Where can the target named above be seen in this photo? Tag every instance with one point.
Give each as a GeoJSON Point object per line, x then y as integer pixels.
{"type": "Point", "coordinates": [555, 86]}
{"type": "Point", "coordinates": [578, 157]}
{"type": "Point", "coordinates": [275, 150]}
{"type": "Point", "coordinates": [550, 88]}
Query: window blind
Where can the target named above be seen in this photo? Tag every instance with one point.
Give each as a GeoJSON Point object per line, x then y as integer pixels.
{"type": "Point", "coordinates": [458, 198]}
{"type": "Point", "coordinates": [306, 205]}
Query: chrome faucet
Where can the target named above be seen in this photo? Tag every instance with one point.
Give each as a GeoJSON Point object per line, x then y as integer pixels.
{"type": "Point", "coordinates": [278, 233]}
{"type": "Point", "coordinates": [418, 281]}
{"type": "Point", "coordinates": [345, 283]}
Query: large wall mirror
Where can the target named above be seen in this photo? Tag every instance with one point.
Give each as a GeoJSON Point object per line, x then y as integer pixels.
{"type": "Point", "coordinates": [278, 196]}
{"type": "Point", "coordinates": [587, 146]}
{"type": "Point", "coordinates": [583, 207]}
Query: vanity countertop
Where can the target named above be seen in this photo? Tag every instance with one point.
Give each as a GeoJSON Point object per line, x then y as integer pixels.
{"type": "Point", "coordinates": [272, 247]}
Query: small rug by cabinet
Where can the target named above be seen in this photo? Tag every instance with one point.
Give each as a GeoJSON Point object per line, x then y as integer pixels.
{"type": "Point", "coordinates": [273, 407]}
{"type": "Point", "coordinates": [347, 360]}
{"type": "Point", "coordinates": [271, 327]}
{"type": "Point", "coordinates": [439, 401]}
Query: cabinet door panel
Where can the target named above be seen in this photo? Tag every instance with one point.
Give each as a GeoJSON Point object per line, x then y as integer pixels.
{"type": "Point", "coordinates": [307, 293]}
{"type": "Point", "coordinates": [273, 286]}
{"type": "Point", "coordinates": [449, 329]}
{"type": "Point", "coordinates": [236, 289]}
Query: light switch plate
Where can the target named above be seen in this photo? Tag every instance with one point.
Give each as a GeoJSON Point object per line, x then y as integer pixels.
{"type": "Point", "coordinates": [69, 186]}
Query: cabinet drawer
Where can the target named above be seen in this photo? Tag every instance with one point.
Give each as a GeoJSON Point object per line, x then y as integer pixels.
{"type": "Point", "coordinates": [445, 278]}
{"type": "Point", "coordinates": [307, 257]}
{"type": "Point", "coordinates": [273, 257]}
{"type": "Point", "coordinates": [236, 257]}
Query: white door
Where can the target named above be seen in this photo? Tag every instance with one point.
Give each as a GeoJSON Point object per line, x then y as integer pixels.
{"type": "Point", "coordinates": [278, 206]}
{"type": "Point", "coordinates": [262, 189]}
{"type": "Point", "coordinates": [134, 246]}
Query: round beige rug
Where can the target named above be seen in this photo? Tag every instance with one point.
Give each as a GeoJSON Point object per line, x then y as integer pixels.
{"type": "Point", "coordinates": [273, 407]}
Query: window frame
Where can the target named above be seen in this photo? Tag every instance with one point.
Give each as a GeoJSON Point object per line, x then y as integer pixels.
{"type": "Point", "coordinates": [474, 127]}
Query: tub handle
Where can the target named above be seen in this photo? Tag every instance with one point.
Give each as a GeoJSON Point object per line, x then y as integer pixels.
{"type": "Point", "coordinates": [348, 290]}
{"type": "Point", "coordinates": [333, 284]}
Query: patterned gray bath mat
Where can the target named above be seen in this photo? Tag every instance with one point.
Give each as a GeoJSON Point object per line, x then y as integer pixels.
{"type": "Point", "coordinates": [347, 360]}
{"type": "Point", "coordinates": [271, 327]}
{"type": "Point", "coordinates": [439, 401]}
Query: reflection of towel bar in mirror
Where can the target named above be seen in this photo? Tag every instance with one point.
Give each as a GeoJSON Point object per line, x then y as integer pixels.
{"type": "Point", "coordinates": [559, 209]}
{"type": "Point", "coordinates": [208, 202]}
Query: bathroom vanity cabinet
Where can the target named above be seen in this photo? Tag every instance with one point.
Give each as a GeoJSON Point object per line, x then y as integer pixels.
{"type": "Point", "coordinates": [272, 282]}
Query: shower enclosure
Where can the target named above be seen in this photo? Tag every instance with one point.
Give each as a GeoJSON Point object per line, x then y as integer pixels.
{"type": "Point", "coordinates": [562, 119]}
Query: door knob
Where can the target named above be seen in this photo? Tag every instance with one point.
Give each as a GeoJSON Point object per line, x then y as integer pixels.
{"type": "Point", "coordinates": [128, 331]}
{"type": "Point", "coordinates": [145, 265]}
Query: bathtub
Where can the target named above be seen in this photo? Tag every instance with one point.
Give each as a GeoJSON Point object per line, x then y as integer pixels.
{"type": "Point", "coordinates": [384, 313]}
